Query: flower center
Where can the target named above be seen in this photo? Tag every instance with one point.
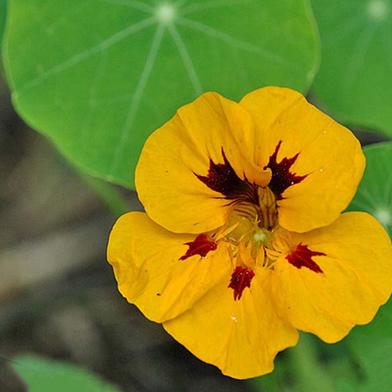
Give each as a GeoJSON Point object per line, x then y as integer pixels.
{"type": "Point", "coordinates": [249, 222]}
{"type": "Point", "coordinates": [251, 229]}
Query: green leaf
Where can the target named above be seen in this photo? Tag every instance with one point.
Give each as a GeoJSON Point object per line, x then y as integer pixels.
{"type": "Point", "coordinates": [309, 373]}
{"type": "Point", "coordinates": [274, 381]}
{"type": "Point", "coordinates": [372, 344]}
{"type": "Point", "coordinates": [42, 375]}
{"type": "Point", "coordinates": [354, 80]}
{"type": "Point", "coordinates": [299, 369]}
{"type": "Point", "coordinates": [375, 191]}
{"type": "Point", "coordinates": [98, 76]}
{"type": "Point", "coordinates": [3, 11]}
{"type": "Point", "coordinates": [372, 347]}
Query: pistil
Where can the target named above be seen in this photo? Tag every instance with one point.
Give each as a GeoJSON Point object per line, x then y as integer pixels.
{"type": "Point", "coordinates": [268, 209]}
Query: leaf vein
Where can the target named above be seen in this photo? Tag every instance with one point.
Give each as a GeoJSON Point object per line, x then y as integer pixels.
{"type": "Point", "coordinates": [137, 96]}
{"type": "Point", "coordinates": [186, 59]}
{"type": "Point", "coordinates": [84, 55]}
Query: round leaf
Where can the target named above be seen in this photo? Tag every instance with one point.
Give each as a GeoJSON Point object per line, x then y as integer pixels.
{"type": "Point", "coordinates": [375, 191]}
{"type": "Point", "coordinates": [354, 80]}
{"type": "Point", "coordinates": [98, 76]}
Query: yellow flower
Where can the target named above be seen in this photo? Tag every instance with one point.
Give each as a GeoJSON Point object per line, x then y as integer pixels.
{"type": "Point", "coordinates": [244, 242]}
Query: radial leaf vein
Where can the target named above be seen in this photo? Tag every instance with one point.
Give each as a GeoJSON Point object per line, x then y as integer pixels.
{"type": "Point", "coordinates": [367, 197]}
{"type": "Point", "coordinates": [180, 3]}
{"type": "Point", "coordinates": [359, 55]}
{"type": "Point", "coordinates": [228, 39]}
{"type": "Point", "coordinates": [84, 55]}
{"type": "Point", "coordinates": [132, 4]}
{"type": "Point", "coordinates": [341, 30]}
{"type": "Point", "coordinates": [186, 59]}
{"type": "Point", "coordinates": [49, 28]}
{"type": "Point", "coordinates": [213, 4]}
{"type": "Point", "coordinates": [137, 96]}
{"type": "Point", "coordinates": [92, 102]}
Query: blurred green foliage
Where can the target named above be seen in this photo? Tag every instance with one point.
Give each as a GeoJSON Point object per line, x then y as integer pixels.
{"type": "Point", "coordinates": [371, 346]}
{"type": "Point", "coordinates": [42, 375]}
{"type": "Point", "coordinates": [98, 76]}
{"type": "Point", "coordinates": [354, 82]}
{"type": "Point", "coordinates": [3, 11]}
{"type": "Point", "coordinates": [360, 363]}
{"type": "Point", "coordinates": [375, 192]}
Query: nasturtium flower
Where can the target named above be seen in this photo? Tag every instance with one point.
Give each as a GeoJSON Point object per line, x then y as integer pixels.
{"type": "Point", "coordinates": [243, 242]}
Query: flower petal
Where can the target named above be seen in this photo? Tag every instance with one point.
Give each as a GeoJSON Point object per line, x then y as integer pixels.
{"type": "Point", "coordinates": [241, 337]}
{"type": "Point", "coordinates": [321, 162]}
{"type": "Point", "coordinates": [334, 277]}
{"type": "Point", "coordinates": [152, 271]}
{"type": "Point", "coordinates": [192, 167]}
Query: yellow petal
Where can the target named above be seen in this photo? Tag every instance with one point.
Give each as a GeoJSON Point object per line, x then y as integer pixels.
{"type": "Point", "coordinates": [356, 277]}
{"type": "Point", "coordinates": [149, 272]}
{"type": "Point", "coordinates": [241, 337]}
{"type": "Point", "coordinates": [173, 156]}
{"type": "Point", "coordinates": [329, 155]}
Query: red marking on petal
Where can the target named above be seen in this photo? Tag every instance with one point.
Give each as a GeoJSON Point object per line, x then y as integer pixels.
{"type": "Point", "coordinates": [282, 177]}
{"type": "Point", "coordinates": [201, 245]}
{"type": "Point", "coordinates": [302, 257]}
{"type": "Point", "coordinates": [240, 278]}
{"type": "Point", "coordinates": [222, 178]}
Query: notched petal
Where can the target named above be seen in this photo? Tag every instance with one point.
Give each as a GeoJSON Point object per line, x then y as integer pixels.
{"type": "Point", "coordinates": [240, 337]}
{"type": "Point", "coordinates": [150, 272]}
{"type": "Point", "coordinates": [343, 275]}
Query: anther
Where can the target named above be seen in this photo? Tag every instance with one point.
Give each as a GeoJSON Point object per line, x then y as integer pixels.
{"type": "Point", "coordinates": [268, 210]}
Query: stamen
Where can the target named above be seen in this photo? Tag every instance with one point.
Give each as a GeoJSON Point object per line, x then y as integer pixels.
{"type": "Point", "coordinates": [244, 219]}
{"type": "Point", "coordinates": [269, 212]}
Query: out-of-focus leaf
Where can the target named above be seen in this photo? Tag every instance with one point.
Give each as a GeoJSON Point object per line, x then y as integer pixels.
{"type": "Point", "coordinates": [3, 11]}
{"type": "Point", "coordinates": [272, 382]}
{"type": "Point", "coordinates": [372, 344]}
{"type": "Point", "coordinates": [42, 375]}
{"type": "Point", "coordinates": [372, 347]}
{"type": "Point", "coordinates": [354, 81]}
{"type": "Point", "coordinates": [346, 385]}
{"type": "Point", "coordinates": [98, 76]}
{"type": "Point", "coordinates": [299, 369]}
{"type": "Point", "coordinates": [309, 372]}
{"type": "Point", "coordinates": [375, 192]}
